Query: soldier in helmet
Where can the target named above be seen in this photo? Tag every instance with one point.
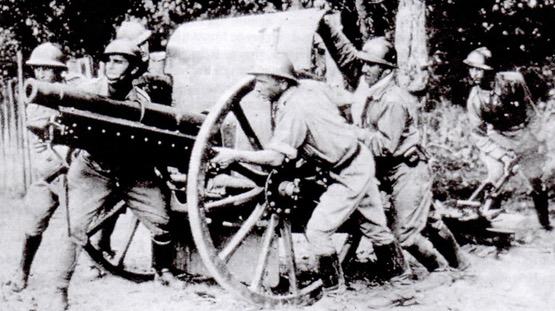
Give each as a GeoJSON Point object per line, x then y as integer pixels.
{"type": "Point", "coordinates": [386, 115]}
{"type": "Point", "coordinates": [157, 85]}
{"type": "Point", "coordinates": [479, 72]}
{"type": "Point", "coordinates": [309, 126]}
{"type": "Point", "coordinates": [504, 127]}
{"type": "Point", "coordinates": [42, 198]}
{"type": "Point", "coordinates": [97, 176]}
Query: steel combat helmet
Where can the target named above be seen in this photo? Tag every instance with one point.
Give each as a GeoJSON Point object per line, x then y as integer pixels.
{"type": "Point", "coordinates": [378, 50]}
{"type": "Point", "coordinates": [47, 54]}
{"type": "Point", "coordinates": [275, 64]}
{"type": "Point", "coordinates": [133, 31]}
{"type": "Point", "coordinates": [123, 47]}
{"type": "Point", "coordinates": [479, 58]}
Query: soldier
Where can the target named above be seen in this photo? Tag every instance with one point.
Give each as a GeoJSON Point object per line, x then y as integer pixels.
{"type": "Point", "coordinates": [308, 125]}
{"type": "Point", "coordinates": [43, 196]}
{"type": "Point", "coordinates": [480, 94]}
{"type": "Point", "coordinates": [386, 114]}
{"type": "Point", "coordinates": [513, 127]}
{"type": "Point", "coordinates": [503, 131]}
{"type": "Point", "coordinates": [97, 176]}
{"type": "Point", "coordinates": [156, 84]}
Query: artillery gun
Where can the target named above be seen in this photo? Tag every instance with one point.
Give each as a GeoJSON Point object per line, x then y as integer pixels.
{"type": "Point", "coordinates": [237, 225]}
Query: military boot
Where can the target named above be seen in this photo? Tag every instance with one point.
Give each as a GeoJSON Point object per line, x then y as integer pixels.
{"type": "Point", "coordinates": [162, 259]}
{"type": "Point", "coordinates": [31, 244]}
{"type": "Point", "coordinates": [541, 203]}
{"type": "Point", "coordinates": [423, 251]}
{"type": "Point", "coordinates": [446, 244]}
{"type": "Point", "coordinates": [331, 274]}
{"type": "Point", "coordinates": [391, 260]}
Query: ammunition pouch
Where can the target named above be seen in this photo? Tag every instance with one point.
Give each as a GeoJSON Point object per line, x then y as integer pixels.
{"type": "Point", "coordinates": [414, 155]}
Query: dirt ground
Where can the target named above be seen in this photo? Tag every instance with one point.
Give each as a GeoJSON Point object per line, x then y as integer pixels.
{"type": "Point", "coordinates": [522, 278]}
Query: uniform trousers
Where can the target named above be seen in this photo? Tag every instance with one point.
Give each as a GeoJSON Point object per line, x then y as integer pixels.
{"type": "Point", "coordinates": [91, 185]}
{"type": "Point", "coordinates": [42, 197]}
{"type": "Point", "coordinates": [410, 196]}
{"type": "Point", "coordinates": [354, 187]}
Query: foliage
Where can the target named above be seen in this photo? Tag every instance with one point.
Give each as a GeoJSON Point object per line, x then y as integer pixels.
{"type": "Point", "coordinates": [84, 27]}
{"type": "Point", "coordinates": [518, 32]}
{"type": "Point", "coordinates": [455, 164]}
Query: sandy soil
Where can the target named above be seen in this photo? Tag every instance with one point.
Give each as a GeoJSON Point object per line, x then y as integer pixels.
{"type": "Point", "coordinates": [522, 278]}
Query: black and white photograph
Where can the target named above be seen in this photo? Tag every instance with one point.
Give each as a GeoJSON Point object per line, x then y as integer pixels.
{"type": "Point", "coordinates": [312, 155]}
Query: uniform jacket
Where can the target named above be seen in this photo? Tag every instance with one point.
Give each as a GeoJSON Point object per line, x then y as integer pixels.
{"type": "Point", "coordinates": [116, 158]}
{"type": "Point", "coordinates": [309, 124]}
{"type": "Point", "coordinates": [389, 109]}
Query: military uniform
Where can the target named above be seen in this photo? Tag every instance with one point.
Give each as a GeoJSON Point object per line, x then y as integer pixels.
{"type": "Point", "coordinates": [387, 112]}
{"type": "Point", "coordinates": [308, 125]}
{"type": "Point", "coordinates": [95, 178]}
{"type": "Point", "coordinates": [490, 152]}
{"type": "Point", "coordinates": [42, 197]}
{"type": "Point", "coordinates": [513, 125]}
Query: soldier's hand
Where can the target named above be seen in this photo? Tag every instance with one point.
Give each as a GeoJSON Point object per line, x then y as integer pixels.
{"type": "Point", "coordinates": [177, 180]}
{"type": "Point", "coordinates": [374, 140]}
{"type": "Point", "coordinates": [224, 156]}
{"type": "Point", "coordinates": [509, 159]}
{"type": "Point", "coordinates": [378, 144]}
{"type": "Point", "coordinates": [334, 21]}
{"type": "Point", "coordinates": [39, 147]}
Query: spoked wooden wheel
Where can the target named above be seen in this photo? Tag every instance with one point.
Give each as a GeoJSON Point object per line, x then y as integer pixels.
{"type": "Point", "coordinates": [130, 257]}
{"type": "Point", "coordinates": [224, 222]}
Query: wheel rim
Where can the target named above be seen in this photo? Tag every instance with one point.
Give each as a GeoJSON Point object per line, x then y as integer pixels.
{"type": "Point", "coordinates": [124, 262]}
{"type": "Point", "coordinates": [275, 226]}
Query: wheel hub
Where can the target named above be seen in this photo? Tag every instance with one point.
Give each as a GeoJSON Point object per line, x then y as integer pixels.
{"type": "Point", "coordinates": [282, 192]}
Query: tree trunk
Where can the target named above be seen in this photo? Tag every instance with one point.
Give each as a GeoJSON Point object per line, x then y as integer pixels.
{"type": "Point", "coordinates": [411, 44]}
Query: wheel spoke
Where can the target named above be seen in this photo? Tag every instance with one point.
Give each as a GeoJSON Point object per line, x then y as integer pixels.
{"type": "Point", "coordinates": [228, 181]}
{"type": "Point", "coordinates": [242, 233]}
{"type": "Point", "coordinates": [246, 127]}
{"type": "Point", "coordinates": [287, 237]}
{"type": "Point", "coordinates": [128, 238]}
{"type": "Point", "coordinates": [263, 257]}
{"type": "Point", "coordinates": [235, 200]}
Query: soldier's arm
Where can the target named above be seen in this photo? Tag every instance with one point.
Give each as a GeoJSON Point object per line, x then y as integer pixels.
{"type": "Point", "coordinates": [227, 156]}
{"type": "Point", "coordinates": [289, 134]}
{"type": "Point", "coordinates": [343, 52]}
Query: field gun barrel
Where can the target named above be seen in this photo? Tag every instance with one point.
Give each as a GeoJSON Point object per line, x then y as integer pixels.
{"type": "Point", "coordinates": [56, 95]}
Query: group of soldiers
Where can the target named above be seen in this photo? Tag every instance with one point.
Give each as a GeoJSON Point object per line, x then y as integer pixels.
{"type": "Point", "coordinates": [380, 150]}
{"type": "Point", "coordinates": [94, 179]}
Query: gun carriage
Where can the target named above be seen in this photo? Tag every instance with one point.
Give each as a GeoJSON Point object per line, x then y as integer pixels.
{"type": "Point", "coordinates": [238, 224]}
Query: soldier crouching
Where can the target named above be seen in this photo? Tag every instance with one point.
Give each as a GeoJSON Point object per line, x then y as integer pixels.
{"type": "Point", "coordinates": [97, 176]}
{"type": "Point", "coordinates": [309, 126]}
{"type": "Point", "coordinates": [513, 127]}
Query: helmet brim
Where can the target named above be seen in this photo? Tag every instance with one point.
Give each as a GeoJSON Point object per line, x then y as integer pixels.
{"type": "Point", "coordinates": [476, 65]}
{"type": "Point", "coordinates": [279, 75]}
{"type": "Point", "coordinates": [371, 59]}
{"type": "Point", "coordinates": [46, 64]}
